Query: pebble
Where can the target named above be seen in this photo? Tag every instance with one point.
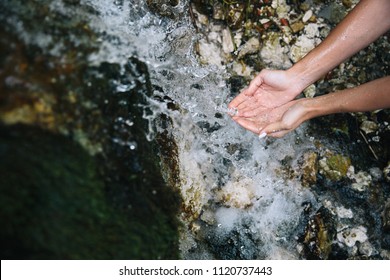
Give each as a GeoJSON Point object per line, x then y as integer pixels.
{"type": "Point", "coordinates": [349, 237]}
{"type": "Point", "coordinates": [307, 16]}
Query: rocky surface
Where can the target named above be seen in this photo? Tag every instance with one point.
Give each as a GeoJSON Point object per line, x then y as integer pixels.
{"type": "Point", "coordinates": [349, 169]}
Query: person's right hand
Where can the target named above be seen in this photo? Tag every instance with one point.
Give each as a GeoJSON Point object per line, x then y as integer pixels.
{"type": "Point", "coordinates": [279, 121]}
{"type": "Point", "coordinates": [268, 90]}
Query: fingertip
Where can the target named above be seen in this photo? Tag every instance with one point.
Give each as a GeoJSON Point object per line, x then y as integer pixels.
{"type": "Point", "coordinates": [262, 135]}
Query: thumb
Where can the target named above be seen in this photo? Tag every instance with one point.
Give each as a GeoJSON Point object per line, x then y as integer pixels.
{"type": "Point", "coordinates": [276, 129]}
{"type": "Point", "coordinates": [254, 85]}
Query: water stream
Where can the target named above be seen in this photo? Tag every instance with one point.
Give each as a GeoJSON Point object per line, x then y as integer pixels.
{"type": "Point", "coordinates": [216, 157]}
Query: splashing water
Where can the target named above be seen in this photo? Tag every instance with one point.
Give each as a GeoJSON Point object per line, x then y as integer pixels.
{"type": "Point", "coordinates": [236, 205]}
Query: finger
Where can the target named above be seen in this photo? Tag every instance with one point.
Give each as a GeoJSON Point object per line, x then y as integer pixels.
{"type": "Point", "coordinates": [275, 129]}
{"type": "Point", "coordinates": [238, 100]}
{"type": "Point", "coordinates": [279, 134]}
{"type": "Point", "coordinates": [248, 105]}
{"type": "Point", "coordinates": [254, 85]}
{"type": "Point", "coordinates": [250, 125]}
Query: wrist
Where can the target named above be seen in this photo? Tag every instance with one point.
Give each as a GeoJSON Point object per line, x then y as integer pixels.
{"type": "Point", "coordinates": [312, 108]}
{"type": "Point", "coordinates": [301, 76]}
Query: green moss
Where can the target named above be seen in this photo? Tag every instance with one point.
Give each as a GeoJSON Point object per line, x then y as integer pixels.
{"type": "Point", "coordinates": [54, 205]}
{"type": "Point", "coordinates": [339, 163]}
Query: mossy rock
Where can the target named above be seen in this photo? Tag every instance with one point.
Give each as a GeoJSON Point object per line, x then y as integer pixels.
{"type": "Point", "coordinates": [335, 166]}
{"type": "Point", "coordinates": [55, 205]}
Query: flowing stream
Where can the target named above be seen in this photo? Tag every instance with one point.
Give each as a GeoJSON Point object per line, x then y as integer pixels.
{"type": "Point", "coordinates": [216, 157]}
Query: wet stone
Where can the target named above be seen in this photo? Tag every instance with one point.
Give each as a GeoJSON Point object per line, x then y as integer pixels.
{"type": "Point", "coordinates": [334, 167]}
{"type": "Point", "coordinates": [309, 168]}
{"type": "Point", "coordinates": [319, 235]}
{"type": "Point", "coordinates": [297, 26]}
{"type": "Point", "coordinates": [163, 7]}
{"type": "Point", "coordinates": [386, 217]}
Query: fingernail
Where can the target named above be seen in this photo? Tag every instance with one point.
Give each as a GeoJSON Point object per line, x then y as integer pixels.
{"type": "Point", "coordinates": [262, 135]}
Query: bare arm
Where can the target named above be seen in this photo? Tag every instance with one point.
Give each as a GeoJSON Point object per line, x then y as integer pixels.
{"type": "Point", "coordinates": [364, 24]}
{"type": "Point", "coordinates": [367, 97]}
{"type": "Point", "coordinates": [272, 88]}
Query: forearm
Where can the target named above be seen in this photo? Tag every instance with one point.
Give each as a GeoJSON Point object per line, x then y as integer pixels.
{"type": "Point", "coordinates": [367, 97]}
{"type": "Point", "coordinates": [363, 25]}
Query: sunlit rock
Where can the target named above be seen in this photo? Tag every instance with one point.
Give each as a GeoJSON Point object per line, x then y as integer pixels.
{"type": "Point", "coordinates": [369, 126]}
{"type": "Point", "coordinates": [309, 168]}
{"type": "Point", "coordinates": [209, 53]}
{"type": "Point", "coordinates": [227, 41]}
{"type": "Point", "coordinates": [307, 16]}
{"type": "Point", "coordinates": [303, 46]}
{"type": "Point", "coordinates": [360, 181]}
{"type": "Point", "coordinates": [310, 91]}
{"type": "Point", "coordinates": [250, 47]}
{"type": "Point", "coordinates": [349, 237]}
{"type": "Point", "coordinates": [334, 166]}
{"type": "Point", "coordinates": [273, 53]}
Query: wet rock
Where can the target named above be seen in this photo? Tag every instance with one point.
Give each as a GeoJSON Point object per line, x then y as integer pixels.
{"type": "Point", "coordinates": [310, 91]}
{"type": "Point", "coordinates": [163, 7]}
{"type": "Point", "coordinates": [334, 166]}
{"type": "Point", "coordinates": [360, 181]}
{"type": "Point", "coordinates": [386, 172]}
{"type": "Point", "coordinates": [347, 3]}
{"type": "Point", "coordinates": [250, 47]}
{"type": "Point", "coordinates": [369, 126]}
{"type": "Point", "coordinates": [64, 99]}
{"type": "Point", "coordinates": [238, 193]}
{"type": "Point", "coordinates": [218, 11]}
{"type": "Point", "coordinates": [73, 2]}
{"type": "Point", "coordinates": [349, 237]}
{"type": "Point", "coordinates": [273, 53]}
{"type": "Point", "coordinates": [344, 213]}
{"type": "Point", "coordinates": [386, 217]}
{"type": "Point", "coordinates": [309, 169]}
{"type": "Point", "coordinates": [297, 26]}
{"type": "Point", "coordinates": [319, 235]}
{"type": "Point", "coordinates": [209, 53]}
{"type": "Point", "coordinates": [312, 32]}
{"type": "Point", "coordinates": [334, 12]}
{"type": "Point", "coordinates": [303, 46]}
{"type": "Point", "coordinates": [242, 69]}
{"type": "Point", "coordinates": [366, 249]}
{"type": "Point", "coordinates": [307, 16]}
{"type": "Point", "coordinates": [235, 16]}
{"type": "Point", "coordinates": [227, 41]}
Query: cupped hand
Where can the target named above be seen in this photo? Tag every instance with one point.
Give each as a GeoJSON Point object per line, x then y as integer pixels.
{"type": "Point", "coordinates": [279, 121]}
{"type": "Point", "coordinates": [270, 89]}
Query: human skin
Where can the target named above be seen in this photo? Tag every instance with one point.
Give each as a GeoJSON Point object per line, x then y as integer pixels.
{"type": "Point", "coordinates": [269, 95]}
{"type": "Point", "coordinates": [367, 97]}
